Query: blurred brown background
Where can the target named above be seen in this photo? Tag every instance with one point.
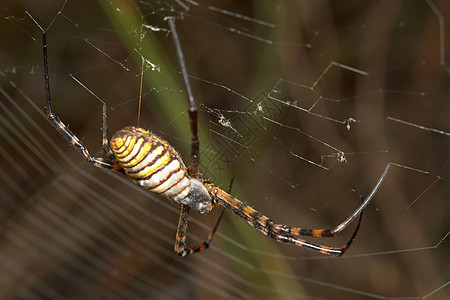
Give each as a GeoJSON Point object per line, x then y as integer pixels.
{"type": "Point", "coordinates": [69, 230]}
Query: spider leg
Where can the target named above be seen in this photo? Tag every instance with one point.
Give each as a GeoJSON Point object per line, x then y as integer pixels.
{"type": "Point", "coordinates": [105, 141]}
{"type": "Point", "coordinates": [282, 233]}
{"type": "Point", "coordinates": [331, 251]}
{"type": "Point", "coordinates": [296, 231]}
{"type": "Point", "coordinates": [180, 240]}
{"type": "Point", "coordinates": [180, 243]}
{"type": "Point", "coordinates": [193, 120]}
{"type": "Point", "coordinates": [62, 128]}
{"type": "Point", "coordinates": [366, 202]}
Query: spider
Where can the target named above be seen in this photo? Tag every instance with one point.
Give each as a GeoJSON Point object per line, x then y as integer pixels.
{"type": "Point", "coordinates": [152, 163]}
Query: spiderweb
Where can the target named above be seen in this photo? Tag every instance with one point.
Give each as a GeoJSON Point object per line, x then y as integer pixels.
{"type": "Point", "coordinates": [304, 103]}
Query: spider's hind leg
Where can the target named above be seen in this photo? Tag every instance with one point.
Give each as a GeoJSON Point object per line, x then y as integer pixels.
{"type": "Point", "coordinates": [56, 122]}
{"type": "Point", "coordinates": [105, 141]}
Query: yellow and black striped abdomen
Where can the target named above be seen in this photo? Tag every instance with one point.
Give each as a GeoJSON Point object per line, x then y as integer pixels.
{"type": "Point", "coordinates": [151, 162]}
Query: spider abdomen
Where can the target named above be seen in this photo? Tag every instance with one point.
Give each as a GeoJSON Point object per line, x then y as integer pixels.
{"type": "Point", "coordinates": [151, 162]}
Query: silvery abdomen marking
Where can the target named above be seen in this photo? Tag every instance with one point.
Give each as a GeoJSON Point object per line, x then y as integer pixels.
{"type": "Point", "coordinates": [151, 162]}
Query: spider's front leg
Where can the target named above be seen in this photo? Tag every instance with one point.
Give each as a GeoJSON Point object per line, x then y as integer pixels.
{"type": "Point", "coordinates": [279, 232]}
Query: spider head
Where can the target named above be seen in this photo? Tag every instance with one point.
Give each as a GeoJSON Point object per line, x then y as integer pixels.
{"type": "Point", "coordinates": [198, 197]}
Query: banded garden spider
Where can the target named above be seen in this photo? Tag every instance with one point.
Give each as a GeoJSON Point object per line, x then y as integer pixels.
{"type": "Point", "coordinates": [153, 164]}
